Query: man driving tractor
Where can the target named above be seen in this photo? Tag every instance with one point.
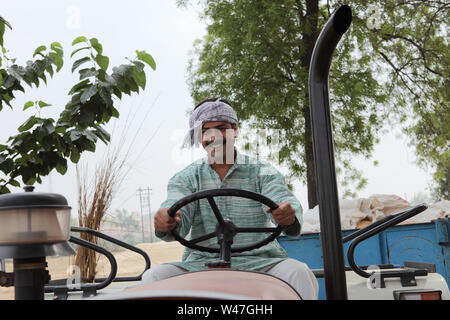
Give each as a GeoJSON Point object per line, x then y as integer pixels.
{"type": "Point", "coordinates": [214, 125]}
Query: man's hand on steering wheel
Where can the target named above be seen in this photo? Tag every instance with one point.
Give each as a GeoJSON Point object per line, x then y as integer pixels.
{"type": "Point", "coordinates": [165, 223]}
{"type": "Point", "coordinates": [284, 215]}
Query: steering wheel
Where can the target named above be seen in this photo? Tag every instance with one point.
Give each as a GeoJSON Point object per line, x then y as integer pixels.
{"type": "Point", "coordinates": [225, 229]}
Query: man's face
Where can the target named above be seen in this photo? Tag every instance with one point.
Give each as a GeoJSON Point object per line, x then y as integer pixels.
{"type": "Point", "coordinates": [218, 140]}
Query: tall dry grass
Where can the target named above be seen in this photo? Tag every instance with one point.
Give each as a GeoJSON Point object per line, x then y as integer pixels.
{"type": "Point", "coordinates": [94, 200]}
{"type": "Point", "coordinates": [96, 194]}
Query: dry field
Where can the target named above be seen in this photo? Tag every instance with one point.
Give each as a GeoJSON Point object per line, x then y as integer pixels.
{"type": "Point", "coordinates": [128, 263]}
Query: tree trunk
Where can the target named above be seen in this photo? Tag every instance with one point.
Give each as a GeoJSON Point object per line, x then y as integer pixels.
{"type": "Point", "coordinates": [310, 168]}
{"type": "Point", "coordinates": [444, 185]}
{"type": "Point", "coordinates": [311, 20]}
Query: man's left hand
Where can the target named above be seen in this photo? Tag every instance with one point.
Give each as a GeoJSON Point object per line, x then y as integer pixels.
{"type": "Point", "coordinates": [284, 215]}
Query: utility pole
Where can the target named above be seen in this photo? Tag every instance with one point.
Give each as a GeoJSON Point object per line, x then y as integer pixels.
{"type": "Point", "coordinates": [142, 217]}
{"type": "Point", "coordinates": [144, 198]}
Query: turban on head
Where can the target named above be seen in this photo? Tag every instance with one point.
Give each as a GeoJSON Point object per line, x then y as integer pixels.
{"type": "Point", "coordinates": [207, 112]}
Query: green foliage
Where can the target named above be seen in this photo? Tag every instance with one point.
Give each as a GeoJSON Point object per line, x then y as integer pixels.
{"type": "Point", "coordinates": [431, 136]}
{"type": "Point", "coordinates": [392, 63]}
{"type": "Point", "coordinates": [412, 42]}
{"type": "Point", "coordinates": [47, 61]}
{"type": "Point", "coordinates": [3, 24]}
{"type": "Point", "coordinates": [44, 144]}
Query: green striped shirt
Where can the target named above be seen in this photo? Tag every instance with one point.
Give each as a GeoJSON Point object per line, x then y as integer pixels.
{"type": "Point", "coordinates": [197, 218]}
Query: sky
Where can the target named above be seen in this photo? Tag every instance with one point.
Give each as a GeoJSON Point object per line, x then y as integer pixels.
{"type": "Point", "coordinates": [153, 122]}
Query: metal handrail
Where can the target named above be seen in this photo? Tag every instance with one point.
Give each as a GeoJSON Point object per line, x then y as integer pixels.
{"type": "Point", "coordinates": [103, 282]}
{"type": "Point", "coordinates": [119, 243]}
{"type": "Point", "coordinates": [369, 227]}
{"type": "Point", "coordinates": [89, 286]}
{"type": "Point", "coordinates": [402, 216]}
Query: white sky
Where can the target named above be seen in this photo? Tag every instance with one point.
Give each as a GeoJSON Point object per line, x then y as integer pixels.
{"type": "Point", "coordinates": [167, 33]}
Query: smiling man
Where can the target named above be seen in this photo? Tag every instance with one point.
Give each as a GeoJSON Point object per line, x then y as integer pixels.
{"type": "Point", "coordinates": [214, 125]}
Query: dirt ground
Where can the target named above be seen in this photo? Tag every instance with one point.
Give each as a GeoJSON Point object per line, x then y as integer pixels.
{"type": "Point", "coordinates": [128, 263]}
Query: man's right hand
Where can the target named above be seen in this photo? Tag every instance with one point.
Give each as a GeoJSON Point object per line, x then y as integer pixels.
{"type": "Point", "coordinates": [165, 223]}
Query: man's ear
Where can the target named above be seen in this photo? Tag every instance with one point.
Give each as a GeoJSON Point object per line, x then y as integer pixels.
{"type": "Point", "coordinates": [236, 131]}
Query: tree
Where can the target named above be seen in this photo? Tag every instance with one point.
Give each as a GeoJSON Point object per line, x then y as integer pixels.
{"type": "Point", "coordinates": [388, 69]}
{"type": "Point", "coordinates": [415, 47]}
{"type": "Point", "coordinates": [44, 144]}
{"type": "Point", "coordinates": [129, 225]}
{"type": "Point", "coordinates": [431, 136]}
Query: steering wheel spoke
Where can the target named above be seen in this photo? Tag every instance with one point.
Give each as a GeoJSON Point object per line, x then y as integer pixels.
{"type": "Point", "coordinates": [216, 210]}
{"type": "Point", "coordinates": [203, 238]}
{"type": "Point", "coordinates": [242, 230]}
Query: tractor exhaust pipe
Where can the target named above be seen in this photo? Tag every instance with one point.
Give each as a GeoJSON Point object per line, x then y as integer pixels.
{"type": "Point", "coordinates": [327, 193]}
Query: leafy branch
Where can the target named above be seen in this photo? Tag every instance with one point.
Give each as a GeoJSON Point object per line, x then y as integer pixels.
{"type": "Point", "coordinates": [44, 144]}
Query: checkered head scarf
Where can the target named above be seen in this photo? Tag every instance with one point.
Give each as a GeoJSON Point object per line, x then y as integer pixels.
{"type": "Point", "coordinates": [207, 112]}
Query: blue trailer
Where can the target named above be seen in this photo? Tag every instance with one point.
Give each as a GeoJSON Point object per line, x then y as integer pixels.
{"type": "Point", "coordinates": [426, 243]}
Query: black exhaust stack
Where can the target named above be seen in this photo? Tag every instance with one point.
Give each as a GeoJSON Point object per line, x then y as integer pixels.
{"type": "Point", "coordinates": [330, 223]}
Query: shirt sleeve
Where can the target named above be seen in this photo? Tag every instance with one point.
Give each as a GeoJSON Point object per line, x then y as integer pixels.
{"type": "Point", "coordinates": [273, 186]}
{"type": "Point", "coordinates": [178, 188]}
